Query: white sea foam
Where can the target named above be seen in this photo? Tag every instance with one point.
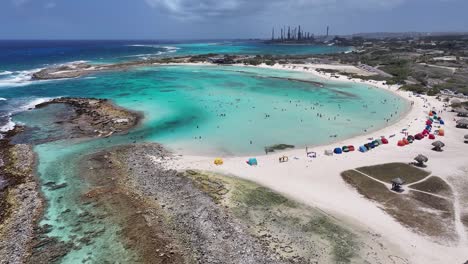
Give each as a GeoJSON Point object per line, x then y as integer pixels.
{"type": "Point", "coordinates": [8, 126]}
{"type": "Point", "coordinates": [24, 106]}
{"type": "Point", "coordinates": [23, 78]}
{"type": "Point", "coordinates": [2, 99]}
{"type": "Point", "coordinates": [169, 48]}
{"type": "Point", "coordinates": [5, 72]}
{"type": "Point", "coordinates": [18, 78]}
{"type": "Point", "coordinates": [32, 104]}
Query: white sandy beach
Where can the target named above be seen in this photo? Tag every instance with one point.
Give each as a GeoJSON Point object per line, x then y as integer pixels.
{"type": "Point", "coordinates": [317, 182]}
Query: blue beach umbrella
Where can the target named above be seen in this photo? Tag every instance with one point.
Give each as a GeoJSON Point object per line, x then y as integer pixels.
{"type": "Point", "coordinates": [252, 162]}
{"type": "Point", "coordinates": [338, 151]}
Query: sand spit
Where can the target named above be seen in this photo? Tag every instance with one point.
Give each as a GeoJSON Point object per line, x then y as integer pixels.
{"type": "Point", "coordinates": [20, 200]}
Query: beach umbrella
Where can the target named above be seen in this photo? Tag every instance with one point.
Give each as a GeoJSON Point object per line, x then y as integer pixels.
{"type": "Point", "coordinates": [364, 149]}
{"type": "Point", "coordinates": [367, 146]}
{"type": "Point", "coordinates": [431, 136]}
{"type": "Point", "coordinates": [345, 149]}
{"type": "Point", "coordinates": [396, 184]}
{"type": "Point", "coordinates": [218, 161]}
{"type": "Point", "coordinates": [462, 123]}
{"type": "Point", "coordinates": [252, 162]}
{"type": "Point", "coordinates": [405, 141]}
{"type": "Point", "coordinates": [351, 148]}
{"type": "Point", "coordinates": [441, 122]}
{"type": "Point", "coordinates": [431, 114]}
{"type": "Point", "coordinates": [419, 136]}
{"type": "Point", "coordinates": [428, 123]}
{"type": "Point", "coordinates": [384, 141]}
{"type": "Point", "coordinates": [421, 159]}
{"type": "Point", "coordinates": [461, 111]}
{"type": "Point", "coordinates": [401, 143]}
{"type": "Point", "coordinates": [398, 181]}
{"type": "Point", "coordinates": [410, 139]}
{"type": "Point", "coordinates": [338, 151]}
{"type": "Point", "coordinates": [438, 145]}
{"type": "Point", "coordinates": [441, 132]}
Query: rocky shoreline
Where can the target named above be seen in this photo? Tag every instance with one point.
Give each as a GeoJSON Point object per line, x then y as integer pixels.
{"type": "Point", "coordinates": [21, 203]}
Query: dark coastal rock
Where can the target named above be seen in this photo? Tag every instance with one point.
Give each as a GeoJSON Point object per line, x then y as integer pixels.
{"type": "Point", "coordinates": [93, 117]}
{"type": "Point", "coordinates": [58, 186]}
{"type": "Point", "coordinates": [278, 147]}
{"type": "Point", "coordinates": [20, 201]}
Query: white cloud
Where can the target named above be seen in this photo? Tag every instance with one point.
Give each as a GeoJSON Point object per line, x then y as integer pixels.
{"type": "Point", "coordinates": [50, 5]}
{"type": "Point", "coordinates": [219, 8]}
{"type": "Point", "coordinates": [19, 2]}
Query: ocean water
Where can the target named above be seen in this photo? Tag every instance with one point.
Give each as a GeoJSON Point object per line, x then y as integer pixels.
{"type": "Point", "coordinates": [203, 110]}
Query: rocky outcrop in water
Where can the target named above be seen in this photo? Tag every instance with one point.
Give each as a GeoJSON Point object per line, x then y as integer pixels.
{"type": "Point", "coordinates": [63, 71]}
{"type": "Point", "coordinates": [95, 117]}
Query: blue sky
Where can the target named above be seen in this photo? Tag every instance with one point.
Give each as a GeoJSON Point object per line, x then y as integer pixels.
{"type": "Point", "coordinates": [197, 19]}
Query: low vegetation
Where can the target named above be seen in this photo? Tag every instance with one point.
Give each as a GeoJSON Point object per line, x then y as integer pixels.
{"type": "Point", "coordinates": [434, 185]}
{"type": "Point", "coordinates": [389, 171]}
{"type": "Point", "coordinates": [292, 230]}
{"type": "Point", "coordinates": [423, 213]}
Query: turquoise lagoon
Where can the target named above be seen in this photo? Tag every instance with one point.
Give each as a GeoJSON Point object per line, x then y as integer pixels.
{"type": "Point", "coordinates": [203, 110]}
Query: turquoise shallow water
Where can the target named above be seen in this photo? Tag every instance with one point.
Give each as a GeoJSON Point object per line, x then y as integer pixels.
{"type": "Point", "coordinates": [234, 110]}
{"type": "Point", "coordinates": [203, 110]}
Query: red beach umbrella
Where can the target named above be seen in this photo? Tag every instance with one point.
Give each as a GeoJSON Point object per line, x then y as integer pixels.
{"type": "Point", "coordinates": [431, 136]}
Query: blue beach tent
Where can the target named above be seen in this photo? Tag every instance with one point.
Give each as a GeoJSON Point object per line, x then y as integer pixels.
{"type": "Point", "coordinates": [362, 149]}
{"type": "Point", "coordinates": [441, 122]}
{"type": "Point", "coordinates": [338, 151]}
{"type": "Point", "coordinates": [252, 162]}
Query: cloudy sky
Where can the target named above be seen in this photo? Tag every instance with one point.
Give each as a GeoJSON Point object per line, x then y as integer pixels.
{"type": "Point", "coordinates": [202, 19]}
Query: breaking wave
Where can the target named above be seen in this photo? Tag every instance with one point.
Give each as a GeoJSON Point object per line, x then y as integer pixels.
{"type": "Point", "coordinates": [5, 73]}
{"type": "Point", "coordinates": [6, 122]}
